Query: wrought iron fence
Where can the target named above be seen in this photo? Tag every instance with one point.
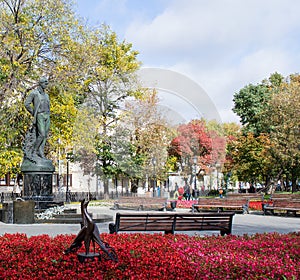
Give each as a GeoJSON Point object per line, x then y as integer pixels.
{"type": "Point", "coordinates": [71, 196]}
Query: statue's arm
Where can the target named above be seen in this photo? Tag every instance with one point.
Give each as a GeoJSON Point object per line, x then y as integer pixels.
{"type": "Point", "coordinates": [28, 102]}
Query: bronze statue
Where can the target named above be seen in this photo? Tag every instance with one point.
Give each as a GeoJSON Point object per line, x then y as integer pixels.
{"type": "Point", "coordinates": [37, 136]}
{"type": "Point", "coordinates": [90, 232]}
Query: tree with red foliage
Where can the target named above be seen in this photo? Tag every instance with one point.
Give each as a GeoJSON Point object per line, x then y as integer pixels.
{"type": "Point", "coordinates": [193, 140]}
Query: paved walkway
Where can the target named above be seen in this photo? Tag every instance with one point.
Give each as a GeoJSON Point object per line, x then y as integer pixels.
{"type": "Point", "coordinates": [242, 224]}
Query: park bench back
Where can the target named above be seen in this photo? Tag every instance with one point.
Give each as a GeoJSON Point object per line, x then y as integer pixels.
{"type": "Point", "coordinates": [240, 203]}
{"type": "Point", "coordinates": [285, 196]}
{"type": "Point", "coordinates": [172, 222]}
{"type": "Point", "coordinates": [141, 203]}
{"type": "Point", "coordinates": [250, 196]}
{"type": "Point", "coordinates": [286, 205]}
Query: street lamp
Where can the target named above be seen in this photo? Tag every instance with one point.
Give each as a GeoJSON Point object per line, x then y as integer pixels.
{"type": "Point", "coordinates": [183, 168]}
{"type": "Point", "coordinates": [195, 160]}
{"type": "Point", "coordinates": [154, 183]}
{"type": "Point", "coordinates": [68, 158]}
{"type": "Point", "coordinates": [218, 166]}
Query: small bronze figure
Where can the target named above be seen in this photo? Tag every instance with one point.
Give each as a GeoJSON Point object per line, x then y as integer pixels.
{"type": "Point", "coordinates": [90, 232]}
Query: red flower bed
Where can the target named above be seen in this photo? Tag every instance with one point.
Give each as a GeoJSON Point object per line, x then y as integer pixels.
{"type": "Point", "coordinates": [185, 203]}
{"type": "Point", "coordinates": [253, 205]}
{"type": "Point", "coordinates": [155, 256]}
{"type": "Point", "coordinates": [257, 205]}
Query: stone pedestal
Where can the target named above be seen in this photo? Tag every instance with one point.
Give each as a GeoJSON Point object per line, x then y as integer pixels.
{"type": "Point", "coordinates": [7, 212]}
{"type": "Point", "coordinates": [37, 186]}
{"type": "Point", "coordinates": [24, 212]}
{"type": "Point", "coordinates": [37, 181]}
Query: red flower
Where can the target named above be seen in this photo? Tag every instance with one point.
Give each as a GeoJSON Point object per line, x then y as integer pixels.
{"type": "Point", "coordinates": [155, 256]}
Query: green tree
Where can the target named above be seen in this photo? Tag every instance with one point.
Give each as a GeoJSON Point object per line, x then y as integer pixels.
{"type": "Point", "coordinates": [150, 134]}
{"type": "Point", "coordinates": [252, 161]}
{"type": "Point", "coordinates": [34, 39]}
{"type": "Point", "coordinates": [283, 118]}
{"type": "Point", "coordinates": [251, 102]}
{"type": "Point", "coordinates": [109, 82]}
{"type": "Point", "coordinates": [232, 132]}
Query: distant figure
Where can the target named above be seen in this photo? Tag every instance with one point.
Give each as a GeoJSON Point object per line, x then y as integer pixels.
{"type": "Point", "coordinates": [158, 190]}
{"type": "Point", "coordinates": [221, 192]}
{"type": "Point", "coordinates": [187, 192]}
{"type": "Point", "coordinates": [134, 189]}
{"type": "Point", "coordinates": [41, 120]}
{"type": "Point", "coordinates": [176, 193]}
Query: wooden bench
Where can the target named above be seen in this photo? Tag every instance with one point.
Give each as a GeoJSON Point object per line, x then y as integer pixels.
{"type": "Point", "coordinates": [169, 223]}
{"type": "Point", "coordinates": [249, 196]}
{"type": "Point", "coordinates": [285, 196]}
{"type": "Point", "coordinates": [285, 205]}
{"type": "Point", "coordinates": [221, 204]}
{"type": "Point", "coordinates": [141, 203]}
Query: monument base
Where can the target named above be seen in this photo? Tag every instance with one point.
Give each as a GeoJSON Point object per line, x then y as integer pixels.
{"type": "Point", "coordinates": [37, 186]}
{"type": "Point", "coordinates": [37, 179]}
{"type": "Point", "coordinates": [40, 165]}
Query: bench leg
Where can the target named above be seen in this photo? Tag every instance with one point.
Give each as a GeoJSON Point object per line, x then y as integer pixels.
{"type": "Point", "coordinates": [223, 232]}
{"type": "Point", "coordinates": [245, 209]}
{"type": "Point", "coordinates": [291, 211]}
{"type": "Point", "coordinates": [116, 206]}
{"type": "Point", "coordinates": [112, 228]}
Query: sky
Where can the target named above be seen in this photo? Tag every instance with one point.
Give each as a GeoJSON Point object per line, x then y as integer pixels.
{"type": "Point", "coordinates": [221, 45]}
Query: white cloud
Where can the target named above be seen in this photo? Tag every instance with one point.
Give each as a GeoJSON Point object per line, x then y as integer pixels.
{"type": "Point", "coordinates": [222, 45]}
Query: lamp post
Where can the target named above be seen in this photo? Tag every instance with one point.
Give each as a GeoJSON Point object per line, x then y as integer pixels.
{"type": "Point", "coordinates": [59, 167]}
{"type": "Point", "coordinates": [218, 166]}
{"type": "Point", "coordinates": [183, 166]}
{"type": "Point", "coordinates": [202, 173]}
{"type": "Point", "coordinates": [195, 160]}
{"type": "Point", "coordinates": [67, 190]}
{"type": "Point", "coordinates": [68, 157]}
{"type": "Point", "coordinates": [154, 183]}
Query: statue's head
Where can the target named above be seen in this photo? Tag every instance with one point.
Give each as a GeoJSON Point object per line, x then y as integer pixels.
{"type": "Point", "coordinates": [43, 82]}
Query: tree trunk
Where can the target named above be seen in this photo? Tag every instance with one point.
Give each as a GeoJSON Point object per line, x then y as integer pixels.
{"type": "Point", "coordinates": [294, 181]}
{"type": "Point", "coordinates": [106, 188]}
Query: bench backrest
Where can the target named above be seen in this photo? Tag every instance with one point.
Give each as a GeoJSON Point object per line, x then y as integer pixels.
{"type": "Point", "coordinates": [223, 201]}
{"type": "Point", "coordinates": [128, 199]}
{"type": "Point", "coordinates": [286, 203]}
{"type": "Point", "coordinates": [171, 222]}
{"type": "Point", "coordinates": [250, 196]}
{"type": "Point", "coordinates": [145, 222]}
{"type": "Point", "coordinates": [285, 196]}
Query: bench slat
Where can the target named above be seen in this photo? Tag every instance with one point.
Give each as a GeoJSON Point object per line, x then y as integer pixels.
{"type": "Point", "coordinates": [221, 203]}
{"type": "Point", "coordinates": [171, 222]}
{"type": "Point", "coordinates": [281, 204]}
{"type": "Point", "coordinates": [140, 203]}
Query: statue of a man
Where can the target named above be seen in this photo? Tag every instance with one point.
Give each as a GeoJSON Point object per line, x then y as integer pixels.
{"type": "Point", "coordinates": [41, 116]}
